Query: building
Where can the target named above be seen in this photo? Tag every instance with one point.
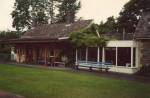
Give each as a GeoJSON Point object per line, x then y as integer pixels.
{"type": "Point", "coordinates": [49, 44]}
{"type": "Point", "coordinates": [142, 36]}
{"type": "Point", "coordinates": [45, 44]}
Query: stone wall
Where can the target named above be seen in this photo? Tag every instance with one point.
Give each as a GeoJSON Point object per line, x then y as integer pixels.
{"type": "Point", "coordinates": [144, 46]}
{"type": "Point", "coordinates": [145, 51]}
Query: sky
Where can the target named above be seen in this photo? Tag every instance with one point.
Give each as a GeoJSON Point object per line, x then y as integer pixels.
{"type": "Point", "coordinates": [99, 10]}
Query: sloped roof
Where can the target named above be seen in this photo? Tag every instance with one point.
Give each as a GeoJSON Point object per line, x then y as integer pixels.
{"type": "Point", "coordinates": [54, 31]}
{"type": "Point", "coordinates": [143, 27]}
{"type": "Point", "coordinates": [49, 33]}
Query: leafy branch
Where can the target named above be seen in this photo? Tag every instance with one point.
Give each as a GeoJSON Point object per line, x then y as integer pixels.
{"type": "Point", "coordinates": [88, 38]}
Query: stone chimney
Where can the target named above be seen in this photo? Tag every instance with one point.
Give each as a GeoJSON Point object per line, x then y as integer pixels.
{"type": "Point", "coordinates": [70, 17]}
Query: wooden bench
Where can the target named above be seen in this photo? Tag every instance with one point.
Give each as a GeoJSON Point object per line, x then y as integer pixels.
{"type": "Point", "coordinates": [99, 65]}
{"type": "Point", "coordinates": [59, 64]}
{"type": "Point", "coordinates": [41, 61]}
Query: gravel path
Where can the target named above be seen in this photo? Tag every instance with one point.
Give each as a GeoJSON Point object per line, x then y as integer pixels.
{"type": "Point", "coordinates": [4, 94]}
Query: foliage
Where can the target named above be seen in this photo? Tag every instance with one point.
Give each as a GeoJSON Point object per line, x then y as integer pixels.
{"type": "Point", "coordinates": [5, 49]}
{"type": "Point", "coordinates": [31, 13]}
{"type": "Point", "coordinates": [128, 17]}
{"type": "Point", "coordinates": [4, 57]}
{"type": "Point", "coordinates": [52, 7]}
{"type": "Point", "coordinates": [88, 37]}
{"type": "Point", "coordinates": [110, 26]}
{"type": "Point", "coordinates": [5, 35]}
{"type": "Point", "coordinates": [77, 38]}
{"type": "Point", "coordinates": [21, 17]}
{"type": "Point", "coordinates": [53, 83]}
{"type": "Point", "coordinates": [131, 13]}
{"type": "Point", "coordinates": [67, 10]}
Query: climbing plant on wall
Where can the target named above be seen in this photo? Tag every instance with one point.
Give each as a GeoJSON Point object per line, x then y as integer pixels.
{"type": "Point", "coordinates": [88, 38]}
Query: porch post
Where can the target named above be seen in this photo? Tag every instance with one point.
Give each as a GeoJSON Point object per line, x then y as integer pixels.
{"type": "Point", "coordinates": [86, 54]}
{"type": "Point", "coordinates": [98, 56]}
{"type": "Point", "coordinates": [45, 56]}
{"type": "Point", "coordinates": [132, 57]}
{"type": "Point", "coordinates": [137, 57]}
{"type": "Point", "coordinates": [18, 58]}
{"type": "Point", "coordinates": [19, 54]}
{"type": "Point", "coordinates": [103, 54]}
{"type": "Point", "coordinates": [116, 56]}
{"type": "Point", "coordinates": [25, 50]}
{"type": "Point", "coordinates": [76, 56]}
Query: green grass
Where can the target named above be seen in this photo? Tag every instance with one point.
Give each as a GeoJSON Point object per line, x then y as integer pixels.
{"type": "Point", "coordinates": [43, 83]}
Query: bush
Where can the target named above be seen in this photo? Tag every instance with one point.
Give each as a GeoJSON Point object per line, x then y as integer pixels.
{"type": "Point", "coordinates": [4, 57]}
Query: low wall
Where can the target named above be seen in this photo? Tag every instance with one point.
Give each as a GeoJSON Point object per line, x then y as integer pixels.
{"type": "Point", "coordinates": [125, 70]}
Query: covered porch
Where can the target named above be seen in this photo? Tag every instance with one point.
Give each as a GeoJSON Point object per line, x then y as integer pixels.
{"type": "Point", "coordinates": [52, 54]}
{"type": "Point", "coordinates": [123, 55]}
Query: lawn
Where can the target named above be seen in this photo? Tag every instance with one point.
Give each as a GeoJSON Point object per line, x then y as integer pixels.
{"type": "Point", "coordinates": [44, 83]}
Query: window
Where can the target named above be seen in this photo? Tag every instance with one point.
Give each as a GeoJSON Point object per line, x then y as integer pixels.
{"type": "Point", "coordinates": [92, 54]}
{"type": "Point", "coordinates": [110, 55]}
{"type": "Point", "coordinates": [82, 54]}
{"type": "Point", "coordinates": [124, 56]}
{"type": "Point", "coordinates": [51, 53]}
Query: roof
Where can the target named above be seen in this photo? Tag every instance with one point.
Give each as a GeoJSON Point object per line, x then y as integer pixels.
{"type": "Point", "coordinates": [143, 27]}
{"type": "Point", "coordinates": [20, 41]}
{"type": "Point", "coordinates": [55, 31]}
{"type": "Point", "coordinates": [49, 32]}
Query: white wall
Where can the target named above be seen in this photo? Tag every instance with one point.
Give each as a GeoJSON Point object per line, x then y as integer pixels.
{"type": "Point", "coordinates": [13, 55]}
{"type": "Point", "coordinates": [126, 43]}
{"type": "Point", "coordinates": [119, 43]}
{"type": "Point", "coordinates": [126, 70]}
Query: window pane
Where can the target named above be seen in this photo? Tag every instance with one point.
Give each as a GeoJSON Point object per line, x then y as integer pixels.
{"type": "Point", "coordinates": [82, 54]}
{"type": "Point", "coordinates": [124, 56]}
{"type": "Point", "coordinates": [110, 55]}
{"type": "Point", "coordinates": [92, 54]}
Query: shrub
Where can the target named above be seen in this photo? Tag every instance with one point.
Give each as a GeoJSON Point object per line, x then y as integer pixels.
{"type": "Point", "coordinates": [4, 57]}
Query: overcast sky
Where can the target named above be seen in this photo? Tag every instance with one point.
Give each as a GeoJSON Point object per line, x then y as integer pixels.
{"type": "Point", "coordinates": [91, 9]}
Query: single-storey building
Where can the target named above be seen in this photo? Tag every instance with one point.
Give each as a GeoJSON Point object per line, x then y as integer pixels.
{"type": "Point", "coordinates": [50, 44]}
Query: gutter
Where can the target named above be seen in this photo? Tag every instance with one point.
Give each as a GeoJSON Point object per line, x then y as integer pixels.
{"type": "Point", "coordinates": [63, 38]}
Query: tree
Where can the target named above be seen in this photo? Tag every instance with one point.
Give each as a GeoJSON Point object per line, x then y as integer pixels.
{"type": "Point", "coordinates": [67, 10]}
{"type": "Point", "coordinates": [38, 12]}
{"type": "Point", "coordinates": [53, 9]}
{"type": "Point", "coordinates": [131, 13]}
{"type": "Point", "coordinates": [109, 26]}
{"type": "Point", "coordinates": [31, 13]}
{"type": "Point", "coordinates": [6, 35]}
{"type": "Point", "coordinates": [21, 17]}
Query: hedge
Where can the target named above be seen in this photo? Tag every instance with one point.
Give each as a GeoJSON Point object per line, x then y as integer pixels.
{"type": "Point", "coordinates": [4, 57]}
